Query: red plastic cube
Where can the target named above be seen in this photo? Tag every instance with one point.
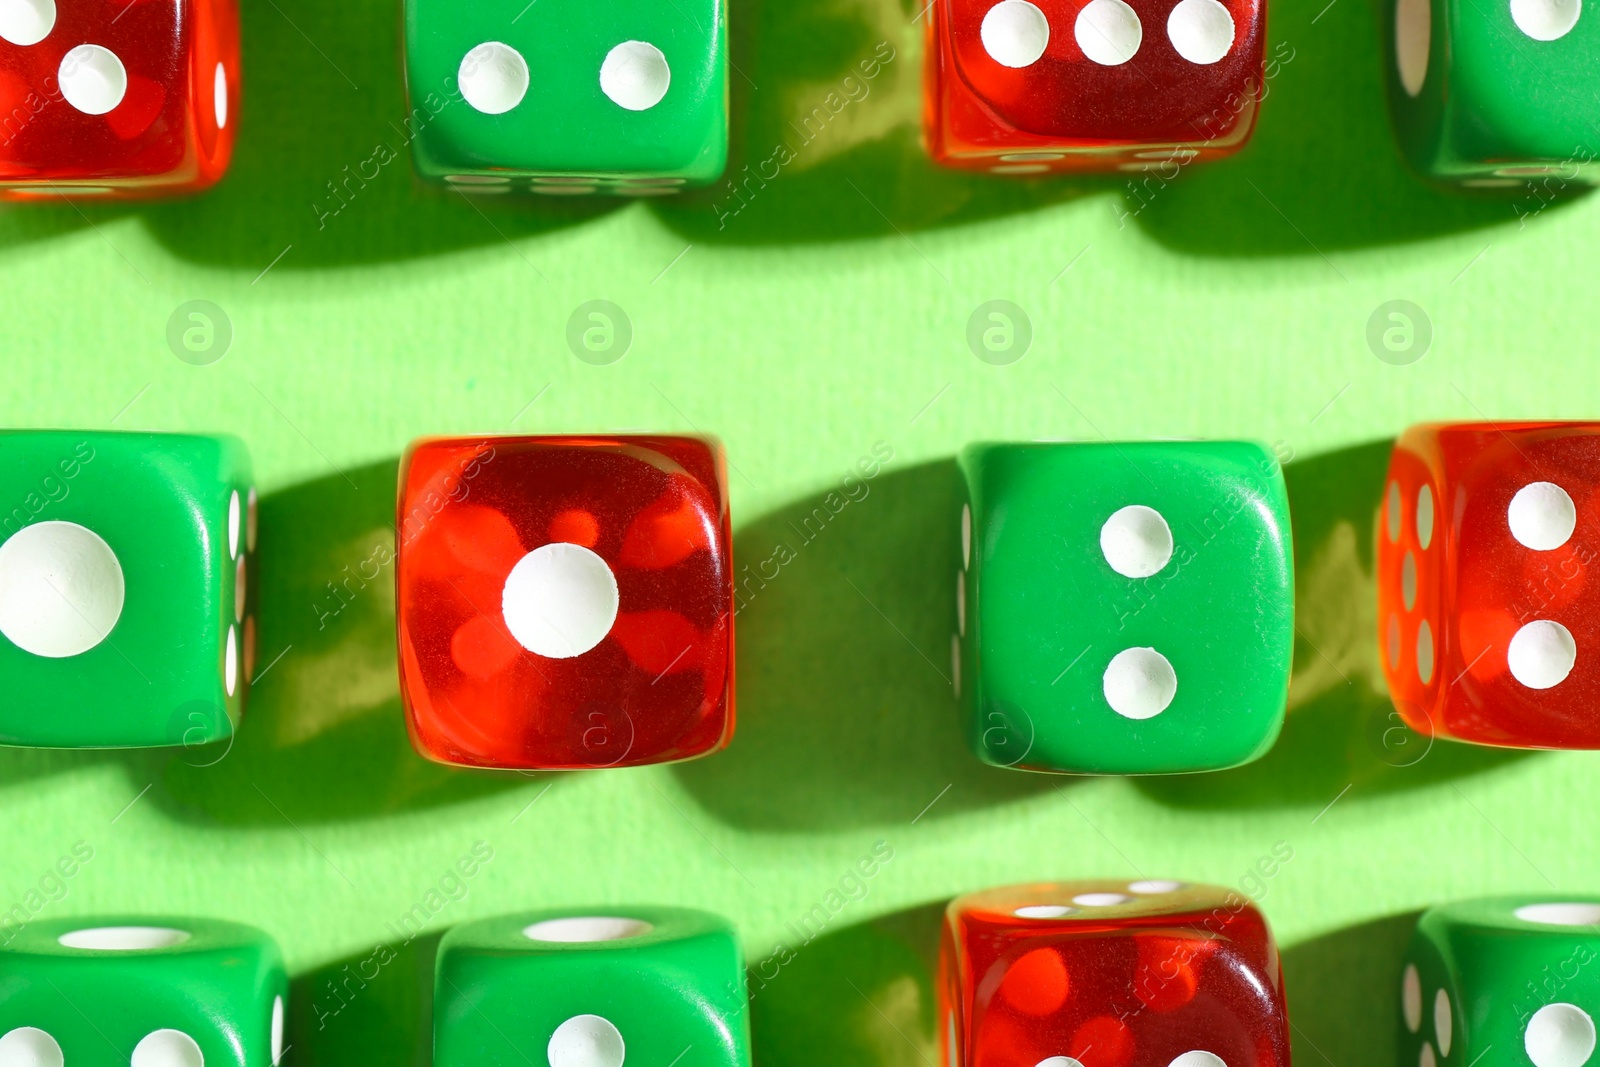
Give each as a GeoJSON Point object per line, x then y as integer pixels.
{"type": "Point", "coordinates": [116, 98]}
{"type": "Point", "coordinates": [1487, 624]}
{"type": "Point", "coordinates": [1029, 87]}
{"type": "Point", "coordinates": [565, 602]}
{"type": "Point", "coordinates": [1110, 974]}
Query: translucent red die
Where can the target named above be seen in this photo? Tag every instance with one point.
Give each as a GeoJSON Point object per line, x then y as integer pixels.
{"type": "Point", "coordinates": [1028, 87]}
{"type": "Point", "coordinates": [565, 602]}
{"type": "Point", "coordinates": [116, 98]}
{"type": "Point", "coordinates": [1487, 539]}
{"type": "Point", "coordinates": [1110, 974]}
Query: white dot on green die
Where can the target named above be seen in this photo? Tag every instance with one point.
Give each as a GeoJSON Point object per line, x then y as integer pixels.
{"type": "Point", "coordinates": [61, 589]}
{"type": "Point", "coordinates": [586, 1041]}
{"type": "Point", "coordinates": [1139, 683]}
{"type": "Point", "coordinates": [1136, 541]}
{"type": "Point", "coordinates": [1559, 1035]}
{"type": "Point", "coordinates": [167, 1048]}
{"type": "Point", "coordinates": [635, 75]}
{"type": "Point", "coordinates": [29, 1046]}
{"type": "Point", "coordinates": [493, 78]}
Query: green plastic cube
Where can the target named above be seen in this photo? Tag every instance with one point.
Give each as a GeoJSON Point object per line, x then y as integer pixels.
{"type": "Point", "coordinates": [563, 97]}
{"type": "Point", "coordinates": [124, 588]}
{"type": "Point", "coordinates": [145, 992]}
{"type": "Point", "coordinates": [1496, 92]}
{"type": "Point", "coordinates": [1511, 981]}
{"type": "Point", "coordinates": [1124, 608]}
{"type": "Point", "coordinates": [661, 986]}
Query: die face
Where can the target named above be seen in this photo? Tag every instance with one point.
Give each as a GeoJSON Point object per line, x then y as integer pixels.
{"type": "Point", "coordinates": [125, 588]}
{"type": "Point", "coordinates": [566, 602]}
{"type": "Point", "coordinates": [1496, 649]}
{"type": "Point", "coordinates": [1111, 974]}
{"type": "Point", "coordinates": [123, 989]}
{"type": "Point", "coordinates": [569, 98]}
{"type": "Point", "coordinates": [1028, 88]}
{"type": "Point", "coordinates": [1513, 974]}
{"type": "Point", "coordinates": [646, 984]}
{"type": "Point", "coordinates": [117, 100]}
{"type": "Point", "coordinates": [1065, 661]}
{"type": "Point", "coordinates": [1494, 94]}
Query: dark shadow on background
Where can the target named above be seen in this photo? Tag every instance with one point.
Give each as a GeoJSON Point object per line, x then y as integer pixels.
{"type": "Point", "coordinates": [374, 1009]}
{"type": "Point", "coordinates": [1342, 731]}
{"type": "Point", "coordinates": [1344, 992]}
{"type": "Point", "coordinates": [859, 996]}
{"type": "Point", "coordinates": [837, 86]}
{"type": "Point", "coordinates": [323, 737]}
{"type": "Point", "coordinates": [1323, 172]}
{"type": "Point", "coordinates": [846, 716]}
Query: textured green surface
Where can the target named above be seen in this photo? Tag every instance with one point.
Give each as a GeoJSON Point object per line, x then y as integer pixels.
{"type": "Point", "coordinates": [1234, 303]}
{"type": "Point", "coordinates": [1497, 971]}
{"type": "Point", "coordinates": [1494, 97]}
{"type": "Point", "coordinates": [675, 992]}
{"type": "Point", "coordinates": [161, 503]}
{"type": "Point", "coordinates": [218, 987]}
{"type": "Point", "coordinates": [1047, 613]}
{"type": "Point", "coordinates": [566, 125]}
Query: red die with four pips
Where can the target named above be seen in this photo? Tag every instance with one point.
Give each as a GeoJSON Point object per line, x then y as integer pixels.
{"type": "Point", "coordinates": [565, 602]}
{"type": "Point", "coordinates": [1151, 973]}
{"type": "Point", "coordinates": [116, 98]}
{"type": "Point", "coordinates": [1028, 87]}
{"type": "Point", "coordinates": [1488, 538]}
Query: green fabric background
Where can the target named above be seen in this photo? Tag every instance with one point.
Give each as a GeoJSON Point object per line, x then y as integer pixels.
{"type": "Point", "coordinates": [827, 315]}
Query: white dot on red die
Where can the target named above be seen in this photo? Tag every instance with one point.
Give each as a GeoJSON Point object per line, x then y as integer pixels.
{"type": "Point", "coordinates": [1408, 581]}
{"type": "Point", "coordinates": [493, 78]}
{"type": "Point", "coordinates": [586, 1041]}
{"type": "Point", "coordinates": [560, 600]}
{"type": "Point", "coordinates": [1443, 1024]}
{"type": "Point", "coordinates": [1559, 1035]}
{"type": "Point", "coordinates": [1393, 644]}
{"type": "Point", "coordinates": [61, 589]}
{"type": "Point", "coordinates": [1546, 20]}
{"type": "Point", "coordinates": [167, 1048]}
{"type": "Point", "coordinates": [1413, 30]}
{"type": "Point", "coordinates": [1201, 30]}
{"type": "Point", "coordinates": [1139, 683]}
{"type": "Point", "coordinates": [1101, 900]}
{"type": "Point", "coordinates": [1108, 31]}
{"type": "Point", "coordinates": [1424, 517]}
{"type": "Point", "coordinates": [1060, 1061]}
{"type": "Point", "coordinates": [1015, 33]}
{"type": "Point", "coordinates": [1136, 541]}
{"type": "Point", "coordinates": [1542, 654]}
{"type": "Point", "coordinates": [1425, 651]}
{"type": "Point", "coordinates": [26, 22]}
{"type": "Point", "coordinates": [1391, 509]}
{"type": "Point", "coordinates": [1199, 1058]}
{"type": "Point", "coordinates": [635, 75]}
{"type": "Point", "coordinates": [92, 79]}
{"type": "Point", "coordinates": [1155, 886]}
{"type": "Point", "coordinates": [1542, 516]}
{"type": "Point", "coordinates": [219, 96]}
{"type": "Point", "coordinates": [29, 1046]}
{"type": "Point", "coordinates": [1044, 911]}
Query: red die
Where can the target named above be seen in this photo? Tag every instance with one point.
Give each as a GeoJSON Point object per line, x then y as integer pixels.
{"type": "Point", "coordinates": [1108, 974]}
{"type": "Point", "coordinates": [565, 602]}
{"type": "Point", "coordinates": [116, 98]}
{"type": "Point", "coordinates": [1485, 541]}
{"type": "Point", "coordinates": [1033, 86]}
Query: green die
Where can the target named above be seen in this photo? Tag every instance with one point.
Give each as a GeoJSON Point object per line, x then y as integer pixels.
{"type": "Point", "coordinates": [1124, 608]}
{"type": "Point", "coordinates": [1515, 975]}
{"type": "Point", "coordinates": [141, 993]}
{"type": "Point", "coordinates": [1492, 93]}
{"type": "Point", "coordinates": [650, 985]}
{"type": "Point", "coordinates": [124, 558]}
{"type": "Point", "coordinates": [564, 97]}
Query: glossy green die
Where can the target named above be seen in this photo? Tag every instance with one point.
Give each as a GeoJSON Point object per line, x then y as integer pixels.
{"type": "Point", "coordinates": [1124, 608]}
{"type": "Point", "coordinates": [1507, 980]}
{"type": "Point", "coordinates": [1496, 92]}
{"type": "Point", "coordinates": [123, 588]}
{"type": "Point", "coordinates": [568, 97]}
{"type": "Point", "coordinates": [115, 992]}
{"type": "Point", "coordinates": [650, 985]}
